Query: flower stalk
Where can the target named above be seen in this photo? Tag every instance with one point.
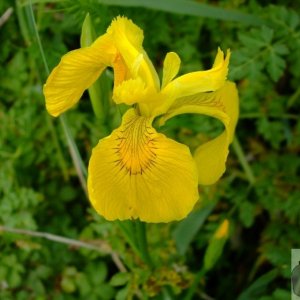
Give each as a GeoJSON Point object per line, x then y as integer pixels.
{"type": "Point", "coordinates": [96, 93]}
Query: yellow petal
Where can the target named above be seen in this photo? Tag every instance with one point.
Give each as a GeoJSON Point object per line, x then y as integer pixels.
{"type": "Point", "coordinates": [171, 68]}
{"type": "Point", "coordinates": [139, 173]}
{"type": "Point", "coordinates": [198, 82]}
{"type": "Point", "coordinates": [76, 72]}
{"type": "Point", "coordinates": [128, 39]}
{"type": "Point", "coordinates": [223, 105]}
{"type": "Point", "coordinates": [121, 48]}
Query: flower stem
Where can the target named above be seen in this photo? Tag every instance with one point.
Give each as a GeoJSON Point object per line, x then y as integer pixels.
{"type": "Point", "coordinates": [243, 161]}
{"type": "Point", "coordinates": [192, 289]}
{"type": "Point", "coordinates": [99, 91]}
{"type": "Point", "coordinates": [141, 237]}
{"type": "Point", "coordinates": [77, 160]}
{"type": "Point", "coordinates": [135, 234]}
{"type": "Point", "coordinates": [128, 232]}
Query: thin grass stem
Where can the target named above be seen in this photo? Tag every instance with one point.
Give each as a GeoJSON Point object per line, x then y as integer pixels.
{"type": "Point", "coordinates": [101, 247]}
{"type": "Point", "coordinates": [73, 149]}
{"type": "Point", "coordinates": [243, 161]}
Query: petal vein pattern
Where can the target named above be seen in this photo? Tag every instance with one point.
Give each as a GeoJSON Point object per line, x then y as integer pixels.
{"type": "Point", "coordinates": [223, 105]}
{"type": "Point", "coordinates": [139, 173]}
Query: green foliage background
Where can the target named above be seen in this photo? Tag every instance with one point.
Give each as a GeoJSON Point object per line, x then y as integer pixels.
{"type": "Point", "coordinates": [259, 194]}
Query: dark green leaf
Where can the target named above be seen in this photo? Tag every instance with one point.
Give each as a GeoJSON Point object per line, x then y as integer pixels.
{"type": "Point", "coordinates": [259, 286]}
{"type": "Point", "coordinates": [275, 65]}
{"type": "Point", "coordinates": [188, 228]}
{"type": "Point", "coordinates": [189, 7]}
{"type": "Point", "coordinates": [247, 213]}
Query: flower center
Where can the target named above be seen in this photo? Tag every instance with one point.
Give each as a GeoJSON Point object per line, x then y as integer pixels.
{"type": "Point", "coordinates": [136, 144]}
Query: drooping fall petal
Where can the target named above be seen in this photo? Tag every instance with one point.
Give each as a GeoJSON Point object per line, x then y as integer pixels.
{"type": "Point", "coordinates": [139, 173]}
{"type": "Point", "coordinates": [76, 72]}
{"type": "Point", "coordinates": [223, 105]}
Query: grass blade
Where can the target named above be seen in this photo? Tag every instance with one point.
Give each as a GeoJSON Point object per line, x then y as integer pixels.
{"type": "Point", "coordinates": [188, 228]}
{"type": "Point", "coordinates": [188, 7]}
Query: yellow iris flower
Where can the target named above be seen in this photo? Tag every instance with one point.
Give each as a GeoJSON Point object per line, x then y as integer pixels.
{"type": "Point", "coordinates": [137, 172]}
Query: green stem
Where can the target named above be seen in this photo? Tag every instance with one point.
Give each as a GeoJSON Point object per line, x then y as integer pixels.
{"type": "Point", "coordinates": [293, 98]}
{"type": "Point", "coordinates": [127, 228]}
{"type": "Point", "coordinates": [193, 288]}
{"type": "Point", "coordinates": [22, 23]}
{"type": "Point", "coordinates": [243, 161]}
{"type": "Point", "coordinates": [103, 247]}
{"type": "Point", "coordinates": [99, 90]}
{"type": "Point", "coordinates": [59, 154]}
{"type": "Point", "coordinates": [135, 234]}
{"type": "Point", "coordinates": [269, 115]}
{"type": "Point", "coordinates": [37, 36]}
{"type": "Point", "coordinates": [141, 236]}
{"type": "Point", "coordinates": [97, 105]}
{"type": "Point", "coordinates": [77, 160]}
{"type": "Point", "coordinates": [26, 35]}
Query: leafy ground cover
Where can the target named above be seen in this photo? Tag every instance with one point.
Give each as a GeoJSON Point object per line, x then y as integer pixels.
{"type": "Point", "coordinates": [54, 246]}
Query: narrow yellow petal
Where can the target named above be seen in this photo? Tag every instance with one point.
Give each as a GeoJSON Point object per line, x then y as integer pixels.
{"type": "Point", "coordinates": [76, 72]}
{"type": "Point", "coordinates": [171, 68]}
{"type": "Point", "coordinates": [139, 173]}
{"type": "Point", "coordinates": [198, 82]}
{"type": "Point", "coordinates": [223, 230]}
{"type": "Point", "coordinates": [128, 39]}
{"type": "Point", "coordinates": [223, 105]}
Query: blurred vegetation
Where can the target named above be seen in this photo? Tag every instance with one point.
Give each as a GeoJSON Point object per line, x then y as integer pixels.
{"type": "Point", "coordinates": [259, 194]}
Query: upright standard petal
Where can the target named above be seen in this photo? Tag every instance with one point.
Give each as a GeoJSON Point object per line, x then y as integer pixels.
{"type": "Point", "coordinates": [139, 173]}
{"type": "Point", "coordinates": [171, 68]}
{"type": "Point", "coordinates": [128, 39]}
{"type": "Point", "coordinates": [197, 82]}
{"type": "Point", "coordinates": [121, 48]}
{"type": "Point", "coordinates": [223, 105]}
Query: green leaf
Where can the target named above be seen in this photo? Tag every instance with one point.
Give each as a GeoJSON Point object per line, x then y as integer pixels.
{"type": "Point", "coordinates": [123, 293]}
{"type": "Point", "coordinates": [267, 34]}
{"type": "Point", "coordinates": [293, 19]}
{"type": "Point", "coordinates": [259, 286]}
{"type": "Point", "coordinates": [97, 273]}
{"type": "Point", "coordinates": [281, 294]}
{"type": "Point", "coordinates": [68, 284]}
{"type": "Point", "coordinates": [187, 7]}
{"type": "Point", "coordinates": [188, 228]}
{"type": "Point", "coordinates": [105, 292]}
{"type": "Point", "coordinates": [88, 34]}
{"type": "Point", "coordinates": [120, 279]}
{"type": "Point", "coordinates": [247, 210]}
{"type": "Point", "coordinates": [280, 48]}
{"type": "Point", "coordinates": [275, 65]}
{"type": "Point", "coordinates": [251, 41]}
